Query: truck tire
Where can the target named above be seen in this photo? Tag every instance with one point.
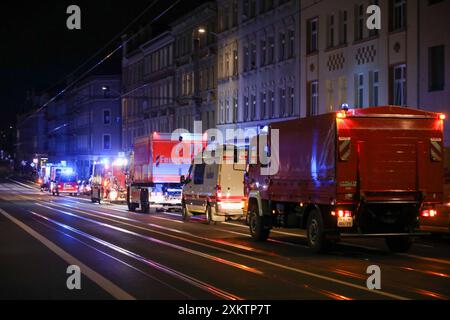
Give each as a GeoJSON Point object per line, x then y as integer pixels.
{"type": "Point", "coordinates": [186, 214]}
{"type": "Point", "coordinates": [316, 239]}
{"type": "Point", "coordinates": [258, 230]}
{"type": "Point", "coordinates": [399, 244]}
{"type": "Point", "coordinates": [145, 208]}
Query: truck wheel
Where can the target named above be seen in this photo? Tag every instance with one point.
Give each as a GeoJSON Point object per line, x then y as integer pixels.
{"type": "Point", "coordinates": [131, 207]}
{"type": "Point", "coordinates": [399, 244]}
{"type": "Point", "coordinates": [145, 208]}
{"type": "Point", "coordinates": [315, 234]}
{"type": "Point", "coordinates": [186, 214]}
{"type": "Point", "coordinates": [258, 230]}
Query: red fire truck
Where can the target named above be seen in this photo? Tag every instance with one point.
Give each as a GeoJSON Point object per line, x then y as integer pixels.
{"type": "Point", "coordinates": [63, 180]}
{"type": "Point", "coordinates": [109, 180]}
{"type": "Point", "coordinates": [358, 173]}
{"type": "Point", "coordinates": [155, 172]}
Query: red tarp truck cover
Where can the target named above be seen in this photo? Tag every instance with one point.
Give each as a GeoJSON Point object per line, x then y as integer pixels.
{"type": "Point", "coordinates": [373, 154]}
{"type": "Point", "coordinates": [152, 159]}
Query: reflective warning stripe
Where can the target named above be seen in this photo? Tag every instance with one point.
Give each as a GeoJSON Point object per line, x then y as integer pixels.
{"type": "Point", "coordinates": [344, 149]}
{"type": "Point", "coordinates": [436, 150]}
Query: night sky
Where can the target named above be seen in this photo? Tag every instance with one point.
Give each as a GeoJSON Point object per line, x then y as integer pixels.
{"type": "Point", "coordinates": [37, 49]}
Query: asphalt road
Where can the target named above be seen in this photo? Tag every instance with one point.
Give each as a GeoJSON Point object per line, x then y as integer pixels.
{"type": "Point", "coordinates": [126, 255]}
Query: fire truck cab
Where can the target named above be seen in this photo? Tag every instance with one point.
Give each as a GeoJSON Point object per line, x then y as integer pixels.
{"type": "Point", "coordinates": [63, 180]}
{"type": "Point", "coordinates": [109, 181]}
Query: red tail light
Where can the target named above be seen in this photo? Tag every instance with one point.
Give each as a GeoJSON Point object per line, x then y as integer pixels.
{"type": "Point", "coordinates": [341, 213]}
{"type": "Point", "coordinates": [429, 213]}
{"type": "Point", "coordinates": [219, 193]}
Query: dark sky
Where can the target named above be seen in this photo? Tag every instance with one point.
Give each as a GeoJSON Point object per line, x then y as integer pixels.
{"type": "Point", "coordinates": [37, 50]}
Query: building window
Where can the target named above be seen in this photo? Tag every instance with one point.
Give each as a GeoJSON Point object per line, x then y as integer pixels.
{"type": "Point", "coordinates": [106, 116]}
{"type": "Point", "coordinates": [373, 32]}
{"type": "Point", "coordinates": [313, 40]}
{"type": "Point", "coordinates": [313, 105]}
{"type": "Point", "coordinates": [246, 108]}
{"type": "Point", "coordinates": [263, 105]}
{"type": "Point", "coordinates": [282, 46]}
{"type": "Point", "coordinates": [291, 93]}
{"type": "Point", "coordinates": [436, 68]}
{"type": "Point", "coordinates": [235, 63]}
{"type": "Point", "coordinates": [331, 31]}
{"type": "Point", "coordinates": [235, 111]}
{"type": "Point", "coordinates": [398, 16]}
{"type": "Point", "coordinates": [246, 58]}
{"type": "Point", "coordinates": [343, 28]}
{"type": "Point", "coordinates": [221, 112]}
{"type": "Point", "coordinates": [234, 14]}
{"type": "Point", "coordinates": [375, 92]}
{"type": "Point", "coordinates": [282, 97]}
{"type": "Point", "coordinates": [272, 103]}
{"type": "Point", "coordinates": [106, 142]}
{"type": "Point", "coordinates": [360, 90]}
{"type": "Point", "coordinates": [263, 57]}
{"type": "Point", "coordinates": [253, 56]}
{"type": "Point", "coordinates": [271, 50]}
{"type": "Point", "coordinates": [399, 81]}
{"type": "Point", "coordinates": [253, 101]}
{"type": "Point", "coordinates": [291, 49]}
{"type": "Point", "coordinates": [359, 22]}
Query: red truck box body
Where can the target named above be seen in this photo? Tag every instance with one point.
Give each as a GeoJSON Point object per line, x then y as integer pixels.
{"type": "Point", "coordinates": [152, 160]}
{"type": "Point", "coordinates": [365, 172]}
{"type": "Point", "coordinates": [381, 153]}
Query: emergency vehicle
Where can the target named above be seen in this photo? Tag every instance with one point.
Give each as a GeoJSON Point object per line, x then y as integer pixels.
{"type": "Point", "coordinates": [63, 180]}
{"type": "Point", "coordinates": [156, 166]}
{"type": "Point", "coordinates": [109, 180]}
{"type": "Point", "coordinates": [354, 173]}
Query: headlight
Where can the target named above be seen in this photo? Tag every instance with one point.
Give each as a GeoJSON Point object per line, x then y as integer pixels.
{"type": "Point", "coordinates": [113, 195]}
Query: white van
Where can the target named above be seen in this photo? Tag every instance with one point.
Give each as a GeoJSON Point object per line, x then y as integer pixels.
{"type": "Point", "coordinates": [214, 190]}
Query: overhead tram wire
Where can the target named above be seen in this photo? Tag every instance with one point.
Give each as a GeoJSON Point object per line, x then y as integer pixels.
{"type": "Point", "coordinates": [101, 61]}
{"type": "Point", "coordinates": [124, 30]}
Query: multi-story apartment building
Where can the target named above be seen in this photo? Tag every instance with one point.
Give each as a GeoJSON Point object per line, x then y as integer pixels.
{"type": "Point", "coordinates": [434, 59]}
{"type": "Point", "coordinates": [196, 67]}
{"type": "Point", "coordinates": [92, 126]}
{"type": "Point", "coordinates": [258, 62]}
{"type": "Point", "coordinates": [149, 103]}
{"type": "Point", "coordinates": [344, 62]}
{"type": "Point", "coordinates": [403, 63]}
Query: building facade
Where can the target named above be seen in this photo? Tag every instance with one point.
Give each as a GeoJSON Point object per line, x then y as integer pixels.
{"type": "Point", "coordinates": [434, 60]}
{"type": "Point", "coordinates": [149, 103]}
{"type": "Point", "coordinates": [345, 62]}
{"type": "Point", "coordinates": [84, 125]}
{"type": "Point", "coordinates": [196, 67]}
{"type": "Point", "coordinates": [258, 62]}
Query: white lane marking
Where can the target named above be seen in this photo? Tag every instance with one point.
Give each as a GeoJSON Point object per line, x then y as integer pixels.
{"type": "Point", "coordinates": [273, 231]}
{"type": "Point", "coordinates": [197, 283]}
{"type": "Point", "coordinates": [268, 262]}
{"type": "Point", "coordinates": [21, 184]}
{"type": "Point", "coordinates": [104, 283]}
{"type": "Point", "coordinates": [161, 242]}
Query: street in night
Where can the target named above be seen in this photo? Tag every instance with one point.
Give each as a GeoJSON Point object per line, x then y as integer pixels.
{"type": "Point", "coordinates": [209, 151]}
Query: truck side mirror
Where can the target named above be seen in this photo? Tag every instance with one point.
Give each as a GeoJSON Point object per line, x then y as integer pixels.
{"type": "Point", "coordinates": [182, 179]}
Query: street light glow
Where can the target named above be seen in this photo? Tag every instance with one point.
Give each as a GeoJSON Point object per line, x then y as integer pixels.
{"type": "Point", "coordinates": [201, 30]}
